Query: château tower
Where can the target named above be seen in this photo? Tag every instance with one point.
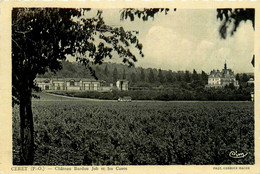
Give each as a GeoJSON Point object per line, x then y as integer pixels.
{"type": "Point", "coordinates": [220, 79]}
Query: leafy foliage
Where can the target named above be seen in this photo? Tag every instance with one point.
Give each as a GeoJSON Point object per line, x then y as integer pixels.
{"type": "Point", "coordinates": [232, 18]}
{"type": "Point", "coordinates": [41, 39]}
{"type": "Point", "coordinates": [143, 14]}
{"type": "Point", "coordinates": [53, 33]}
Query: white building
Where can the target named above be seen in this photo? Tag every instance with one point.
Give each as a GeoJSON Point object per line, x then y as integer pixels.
{"type": "Point", "coordinates": [122, 85]}
{"type": "Point", "coordinates": [68, 84]}
{"type": "Point", "coordinates": [220, 79]}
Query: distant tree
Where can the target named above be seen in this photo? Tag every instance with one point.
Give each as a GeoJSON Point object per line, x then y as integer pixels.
{"type": "Point", "coordinates": [98, 71]}
{"type": "Point", "coordinates": [244, 78]}
{"type": "Point", "coordinates": [47, 74]}
{"type": "Point", "coordinates": [142, 75]}
{"type": "Point", "coordinates": [195, 75]}
{"type": "Point", "coordinates": [106, 72]}
{"type": "Point", "coordinates": [169, 77]}
{"type": "Point", "coordinates": [115, 75]}
{"type": "Point", "coordinates": [133, 77]}
{"type": "Point", "coordinates": [151, 78]}
{"type": "Point", "coordinates": [178, 77]}
{"type": "Point", "coordinates": [161, 77]}
{"type": "Point", "coordinates": [204, 76]}
{"type": "Point", "coordinates": [230, 86]}
{"type": "Point", "coordinates": [237, 77]}
{"type": "Point", "coordinates": [183, 85]}
{"type": "Point", "coordinates": [124, 75]}
{"type": "Point", "coordinates": [187, 77]}
{"type": "Point", "coordinates": [70, 67]}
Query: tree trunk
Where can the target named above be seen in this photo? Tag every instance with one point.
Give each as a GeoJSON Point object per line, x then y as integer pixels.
{"type": "Point", "coordinates": [26, 131]}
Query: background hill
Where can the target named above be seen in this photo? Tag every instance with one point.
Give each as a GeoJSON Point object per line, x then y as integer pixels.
{"type": "Point", "coordinates": [155, 84]}
{"type": "Point", "coordinates": [137, 76]}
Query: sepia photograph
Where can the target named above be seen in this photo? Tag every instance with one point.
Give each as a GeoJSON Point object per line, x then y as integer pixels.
{"type": "Point", "coordinates": [133, 86]}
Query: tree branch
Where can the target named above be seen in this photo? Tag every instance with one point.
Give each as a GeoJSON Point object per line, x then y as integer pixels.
{"type": "Point", "coordinates": [17, 44]}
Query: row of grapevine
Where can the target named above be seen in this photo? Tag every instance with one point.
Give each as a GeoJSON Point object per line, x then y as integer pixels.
{"type": "Point", "coordinates": [140, 133]}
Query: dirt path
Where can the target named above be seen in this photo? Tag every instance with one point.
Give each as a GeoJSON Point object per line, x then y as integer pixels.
{"type": "Point", "coordinates": [54, 97]}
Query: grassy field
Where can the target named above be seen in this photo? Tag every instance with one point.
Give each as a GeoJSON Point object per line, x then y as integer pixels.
{"type": "Point", "coordinates": [88, 132]}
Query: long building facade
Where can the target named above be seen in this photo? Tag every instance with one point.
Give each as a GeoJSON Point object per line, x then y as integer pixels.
{"type": "Point", "coordinates": [68, 84]}
{"type": "Point", "coordinates": [76, 84]}
{"type": "Point", "coordinates": [220, 79]}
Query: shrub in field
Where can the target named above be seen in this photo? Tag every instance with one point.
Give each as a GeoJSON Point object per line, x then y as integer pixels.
{"type": "Point", "coordinates": [167, 94]}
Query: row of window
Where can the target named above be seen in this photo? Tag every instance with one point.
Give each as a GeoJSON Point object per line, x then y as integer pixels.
{"type": "Point", "coordinates": [73, 84]}
{"type": "Point", "coordinates": [222, 80]}
{"type": "Point", "coordinates": [89, 87]}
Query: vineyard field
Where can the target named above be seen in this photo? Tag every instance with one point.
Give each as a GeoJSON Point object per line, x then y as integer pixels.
{"type": "Point", "coordinates": [83, 132]}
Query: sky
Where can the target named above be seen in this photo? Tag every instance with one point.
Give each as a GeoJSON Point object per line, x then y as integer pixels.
{"type": "Point", "coordinates": [188, 39]}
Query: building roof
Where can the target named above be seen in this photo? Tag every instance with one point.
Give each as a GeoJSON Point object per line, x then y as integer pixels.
{"type": "Point", "coordinates": [65, 79]}
{"type": "Point", "coordinates": [79, 79]}
{"type": "Point", "coordinates": [43, 79]}
{"type": "Point", "coordinates": [122, 80]}
{"type": "Point", "coordinates": [225, 73]}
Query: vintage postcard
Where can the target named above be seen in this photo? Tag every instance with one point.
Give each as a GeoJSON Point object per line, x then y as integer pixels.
{"type": "Point", "coordinates": [129, 87]}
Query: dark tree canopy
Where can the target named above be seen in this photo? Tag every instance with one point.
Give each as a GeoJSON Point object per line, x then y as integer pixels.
{"type": "Point", "coordinates": [143, 14]}
{"type": "Point", "coordinates": [232, 18]}
{"type": "Point", "coordinates": [42, 37]}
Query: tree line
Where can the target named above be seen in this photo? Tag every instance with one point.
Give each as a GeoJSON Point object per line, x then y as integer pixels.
{"type": "Point", "coordinates": [137, 76]}
{"type": "Point", "coordinates": [155, 84]}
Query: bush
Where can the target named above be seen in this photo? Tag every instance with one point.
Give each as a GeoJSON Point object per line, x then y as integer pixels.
{"type": "Point", "coordinates": [166, 94]}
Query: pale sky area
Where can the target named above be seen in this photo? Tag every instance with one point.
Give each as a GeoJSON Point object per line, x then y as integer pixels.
{"type": "Point", "coordinates": [188, 39]}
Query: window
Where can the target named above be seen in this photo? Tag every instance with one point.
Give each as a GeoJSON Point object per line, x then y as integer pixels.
{"type": "Point", "coordinates": [72, 83]}
{"type": "Point", "coordinates": [91, 86]}
{"type": "Point", "coordinates": [87, 86]}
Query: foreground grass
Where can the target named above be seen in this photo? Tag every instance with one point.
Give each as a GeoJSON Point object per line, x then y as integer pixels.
{"type": "Point", "coordinates": [139, 133]}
